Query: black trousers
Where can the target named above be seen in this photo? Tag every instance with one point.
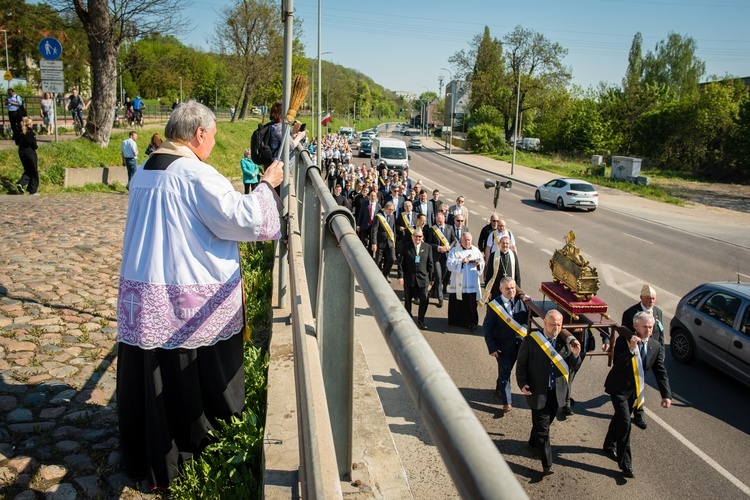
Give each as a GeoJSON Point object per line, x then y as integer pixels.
{"type": "Point", "coordinates": [541, 420]}
{"type": "Point", "coordinates": [30, 178]}
{"type": "Point", "coordinates": [169, 399]}
{"type": "Point", "coordinates": [618, 434]}
{"type": "Point", "coordinates": [385, 256]}
{"type": "Point", "coordinates": [421, 293]}
{"type": "Point", "coordinates": [14, 117]}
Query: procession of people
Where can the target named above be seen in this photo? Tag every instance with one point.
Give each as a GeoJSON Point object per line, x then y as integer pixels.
{"type": "Point", "coordinates": [436, 259]}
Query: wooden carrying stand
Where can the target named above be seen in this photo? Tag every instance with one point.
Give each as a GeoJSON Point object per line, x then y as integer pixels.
{"type": "Point", "coordinates": [577, 316]}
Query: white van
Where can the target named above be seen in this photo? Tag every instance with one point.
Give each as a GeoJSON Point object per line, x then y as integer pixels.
{"type": "Point", "coordinates": [348, 132]}
{"type": "Point", "coordinates": [530, 144]}
{"type": "Point", "coordinates": [389, 153]}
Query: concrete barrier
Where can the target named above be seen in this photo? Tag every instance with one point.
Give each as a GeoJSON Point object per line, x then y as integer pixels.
{"type": "Point", "coordinates": [102, 175]}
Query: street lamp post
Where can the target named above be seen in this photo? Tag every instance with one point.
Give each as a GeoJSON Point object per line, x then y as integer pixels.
{"type": "Point", "coordinates": [450, 146]}
{"type": "Point", "coordinates": [515, 132]}
{"type": "Point", "coordinates": [7, 61]}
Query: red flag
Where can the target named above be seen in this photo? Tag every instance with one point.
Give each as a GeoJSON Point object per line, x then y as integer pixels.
{"type": "Point", "coordinates": [326, 119]}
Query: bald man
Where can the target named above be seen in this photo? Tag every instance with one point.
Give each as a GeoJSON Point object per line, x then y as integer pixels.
{"type": "Point", "coordinates": [544, 361]}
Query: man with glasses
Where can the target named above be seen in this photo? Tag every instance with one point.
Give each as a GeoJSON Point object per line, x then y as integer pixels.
{"type": "Point", "coordinates": [415, 268]}
{"type": "Point", "coordinates": [486, 230]}
{"type": "Point", "coordinates": [459, 227]}
{"type": "Point", "coordinates": [458, 209]}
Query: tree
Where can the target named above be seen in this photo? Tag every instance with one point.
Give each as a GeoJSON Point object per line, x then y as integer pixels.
{"type": "Point", "coordinates": [538, 61]}
{"type": "Point", "coordinates": [107, 23]}
{"type": "Point", "coordinates": [634, 74]}
{"type": "Point", "coordinates": [487, 88]}
{"type": "Point", "coordinates": [250, 33]}
{"type": "Point", "coordinates": [674, 65]}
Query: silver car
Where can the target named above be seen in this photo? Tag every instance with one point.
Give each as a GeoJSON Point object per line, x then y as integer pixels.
{"type": "Point", "coordinates": [712, 323]}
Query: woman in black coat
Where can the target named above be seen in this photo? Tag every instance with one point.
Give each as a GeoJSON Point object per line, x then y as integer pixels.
{"type": "Point", "coordinates": [26, 142]}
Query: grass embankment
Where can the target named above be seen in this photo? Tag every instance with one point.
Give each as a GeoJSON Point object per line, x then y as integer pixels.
{"type": "Point", "coordinates": [582, 169]}
{"type": "Point", "coordinates": [231, 142]}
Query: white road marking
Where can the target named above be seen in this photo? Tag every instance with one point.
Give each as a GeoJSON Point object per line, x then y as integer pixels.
{"type": "Point", "coordinates": [556, 240]}
{"type": "Point", "coordinates": [630, 286]}
{"type": "Point", "coordinates": [433, 184]}
{"type": "Point", "coordinates": [483, 207]}
{"type": "Point", "coordinates": [548, 252]}
{"type": "Point", "coordinates": [474, 212]}
{"type": "Point", "coordinates": [512, 221]}
{"type": "Point", "coordinates": [710, 461]}
{"type": "Point", "coordinates": [639, 239]}
{"type": "Point", "coordinates": [531, 230]}
{"type": "Point", "coordinates": [525, 240]}
{"type": "Point", "coordinates": [516, 195]}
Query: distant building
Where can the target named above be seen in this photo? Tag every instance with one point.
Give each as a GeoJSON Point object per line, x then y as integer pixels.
{"type": "Point", "coordinates": [407, 96]}
{"type": "Point", "coordinates": [456, 102]}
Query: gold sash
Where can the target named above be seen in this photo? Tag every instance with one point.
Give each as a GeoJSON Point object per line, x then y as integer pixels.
{"type": "Point", "coordinates": [406, 223]}
{"type": "Point", "coordinates": [443, 241]}
{"type": "Point", "coordinates": [387, 227]}
{"type": "Point", "coordinates": [553, 355]}
{"type": "Point", "coordinates": [640, 380]}
{"type": "Point", "coordinates": [505, 316]}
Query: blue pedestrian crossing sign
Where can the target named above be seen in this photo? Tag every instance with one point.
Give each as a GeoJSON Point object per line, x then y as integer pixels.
{"type": "Point", "coordinates": [50, 48]}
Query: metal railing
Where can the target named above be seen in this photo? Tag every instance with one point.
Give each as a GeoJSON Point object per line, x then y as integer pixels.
{"type": "Point", "coordinates": [325, 257]}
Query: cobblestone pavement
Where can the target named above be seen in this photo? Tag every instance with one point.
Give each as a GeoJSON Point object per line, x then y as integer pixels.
{"type": "Point", "coordinates": [59, 266]}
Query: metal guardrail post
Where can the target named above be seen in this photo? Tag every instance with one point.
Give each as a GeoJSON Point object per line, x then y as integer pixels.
{"type": "Point", "coordinates": [335, 327]}
{"type": "Point", "coordinates": [309, 214]}
{"type": "Point", "coordinates": [319, 474]}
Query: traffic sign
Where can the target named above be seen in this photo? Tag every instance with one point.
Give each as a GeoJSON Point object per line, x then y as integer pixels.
{"type": "Point", "coordinates": [48, 74]}
{"type": "Point", "coordinates": [54, 87]}
{"type": "Point", "coordinates": [8, 76]}
{"type": "Point", "coordinates": [53, 65]}
{"type": "Point", "coordinates": [50, 48]}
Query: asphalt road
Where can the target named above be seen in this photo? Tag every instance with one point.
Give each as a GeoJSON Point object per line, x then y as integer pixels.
{"type": "Point", "coordinates": [696, 449]}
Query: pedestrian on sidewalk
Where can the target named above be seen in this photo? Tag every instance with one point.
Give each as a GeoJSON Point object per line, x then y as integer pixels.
{"type": "Point", "coordinates": [47, 112]}
{"type": "Point", "coordinates": [26, 142]}
{"type": "Point", "coordinates": [180, 311]}
{"type": "Point", "coordinates": [250, 171]}
{"type": "Point", "coordinates": [129, 151]}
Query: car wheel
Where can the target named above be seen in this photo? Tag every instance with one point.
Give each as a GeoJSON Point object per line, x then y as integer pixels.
{"type": "Point", "coordinates": [560, 204]}
{"type": "Point", "coordinates": [682, 346]}
{"type": "Point", "coordinates": [592, 209]}
{"type": "Point", "coordinates": [538, 196]}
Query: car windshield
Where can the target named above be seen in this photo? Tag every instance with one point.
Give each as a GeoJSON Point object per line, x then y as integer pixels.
{"type": "Point", "coordinates": [582, 187]}
{"type": "Point", "coordinates": [393, 153]}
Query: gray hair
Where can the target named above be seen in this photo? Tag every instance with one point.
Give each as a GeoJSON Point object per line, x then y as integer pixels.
{"type": "Point", "coordinates": [506, 280]}
{"type": "Point", "coordinates": [186, 119]}
{"type": "Point", "coordinates": [643, 316]}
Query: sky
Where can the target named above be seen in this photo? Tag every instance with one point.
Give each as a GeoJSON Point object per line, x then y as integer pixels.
{"type": "Point", "coordinates": [402, 45]}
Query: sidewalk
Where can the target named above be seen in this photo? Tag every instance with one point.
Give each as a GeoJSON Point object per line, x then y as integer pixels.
{"type": "Point", "coordinates": [715, 223]}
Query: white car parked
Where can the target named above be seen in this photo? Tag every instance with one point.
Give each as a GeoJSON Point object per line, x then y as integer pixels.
{"type": "Point", "coordinates": [568, 193]}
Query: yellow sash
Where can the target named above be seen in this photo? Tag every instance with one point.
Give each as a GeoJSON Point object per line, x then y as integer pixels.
{"type": "Point", "coordinates": [640, 380]}
{"type": "Point", "coordinates": [512, 323]}
{"type": "Point", "coordinates": [387, 227]}
{"type": "Point", "coordinates": [443, 241]}
{"type": "Point", "coordinates": [553, 355]}
{"type": "Point", "coordinates": [406, 223]}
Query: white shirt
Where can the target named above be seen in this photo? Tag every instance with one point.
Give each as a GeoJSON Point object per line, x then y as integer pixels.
{"type": "Point", "coordinates": [129, 148]}
{"type": "Point", "coordinates": [495, 237]}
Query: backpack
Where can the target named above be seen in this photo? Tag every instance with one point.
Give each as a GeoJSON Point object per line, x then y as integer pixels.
{"type": "Point", "coordinates": [260, 145]}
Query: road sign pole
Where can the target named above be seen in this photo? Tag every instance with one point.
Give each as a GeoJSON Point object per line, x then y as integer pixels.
{"type": "Point", "coordinates": [54, 113]}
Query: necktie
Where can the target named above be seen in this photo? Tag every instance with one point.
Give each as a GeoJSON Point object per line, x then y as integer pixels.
{"type": "Point", "coordinates": [644, 350]}
{"type": "Point", "coordinates": [372, 212]}
{"type": "Point", "coordinates": [458, 234]}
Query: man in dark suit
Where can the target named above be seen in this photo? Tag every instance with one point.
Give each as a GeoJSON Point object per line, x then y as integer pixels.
{"type": "Point", "coordinates": [422, 206]}
{"type": "Point", "coordinates": [415, 268]}
{"type": "Point", "coordinates": [405, 223]}
{"type": "Point", "coordinates": [648, 299]}
{"type": "Point", "coordinates": [383, 239]}
{"type": "Point", "coordinates": [622, 387]}
{"type": "Point", "coordinates": [541, 372]}
{"type": "Point", "coordinates": [397, 200]}
{"type": "Point", "coordinates": [366, 216]}
{"type": "Point", "coordinates": [460, 227]}
{"type": "Point", "coordinates": [501, 338]}
{"type": "Point", "coordinates": [441, 239]}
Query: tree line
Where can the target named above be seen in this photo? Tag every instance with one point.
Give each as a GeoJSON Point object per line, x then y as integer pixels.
{"type": "Point", "coordinates": [661, 112]}
{"type": "Point", "coordinates": [132, 43]}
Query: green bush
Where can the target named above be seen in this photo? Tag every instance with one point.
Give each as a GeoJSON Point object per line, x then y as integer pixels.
{"type": "Point", "coordinates": [488, 115]}
{"type": "Point", "coordinates": [487, 139]}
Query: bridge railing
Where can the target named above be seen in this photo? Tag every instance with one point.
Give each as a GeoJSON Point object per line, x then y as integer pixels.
{"type": "Point", "coordinates": [325, 258]}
